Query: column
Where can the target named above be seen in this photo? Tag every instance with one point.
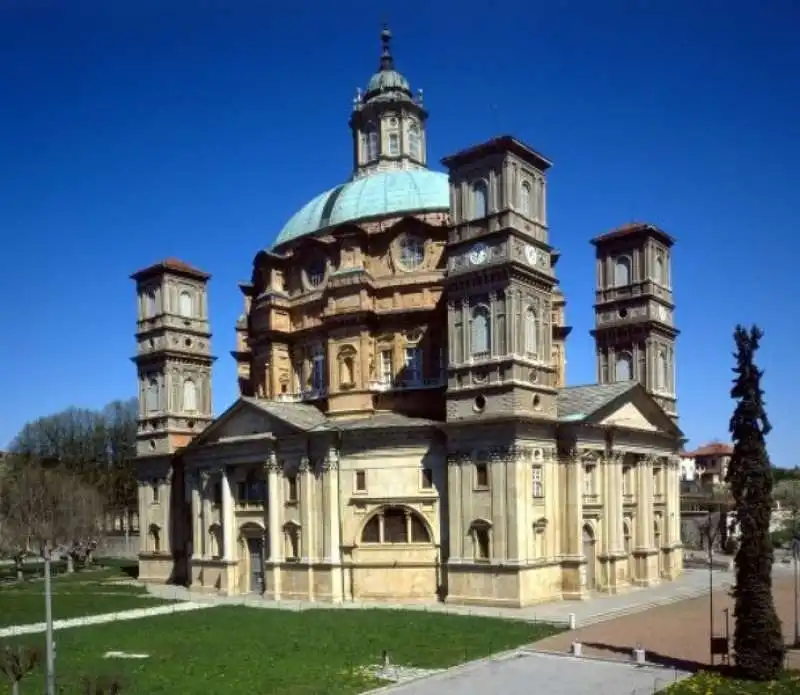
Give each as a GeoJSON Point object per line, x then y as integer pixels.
{"type": "Point", "coordinates": [228, 519]}
{"type": "Point", "coordinates": [197, 515]}
{"type": "Point", "coordinates": [205, 495]}
{"type": "Point", "coordinates": [166, 507]}
{"type": "Point", "coordinates": [454, 509]}
{"type": "Point", "coordinates": [273, 525]}
{"type": "Point", "coordinates": [497, 492]}
{"type": "Point", "coordinates": [306, 509]}
{"type": "Point", "coordinates": [518, 489]}
{"type": "Point", "coordinates": [672, 496]}
{"type": "Point", "coordinates": [333, 541]}
{"type": "Point", "coordinates": [144, 523]}
{"type": "Point", "coordinates": [644, 505]}
{"type": "Point", "coordinates": [574, 506]}
{"type": "Point", "coordinates": [619, 529]}
{"type": "Point", "coordinates": [609, 503]}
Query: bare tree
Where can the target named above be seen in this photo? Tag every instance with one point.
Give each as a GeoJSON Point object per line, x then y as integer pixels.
{"type": "Point", "coordinates": [18, 662]}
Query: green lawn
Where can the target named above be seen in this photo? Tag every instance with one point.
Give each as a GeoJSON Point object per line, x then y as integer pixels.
{"type": "Point", "coordinates": [709, 683]}
{"type": "Point", "coordinates": [88, 592]}
{"type": "Point", "coordinates": [234, 649]}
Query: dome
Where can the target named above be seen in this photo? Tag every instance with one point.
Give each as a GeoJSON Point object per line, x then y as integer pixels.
{"type": "Point", "coordinates": [382, 194]}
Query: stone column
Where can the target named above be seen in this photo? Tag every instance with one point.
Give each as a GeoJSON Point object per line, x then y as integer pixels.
{"type": "Point", "coordinates": [331, 503]}
{"type": "Point", "coordinates": [609, 504]}
{"type": "Point", "coordinates": [618, 544]}
{"type": "Point", "coordinates": [165, 505]}
{"type": "Point", "coordinates": [574, 504]}
{"type": "Point", "coordinates": [197, 515]}
{"type": "Point", "coordinates": [497, 490]}
{"type": "Point", "coordinates": [205, 494]}
{"type": "Point", "coordinates": [306, 481]}
{"type": "Point", "coordinates": [456, 530]}
{"type": "Point", "coordinates": [144, 522]}
{"type": "Point", "coordinates": [518, 514]}
{"type": "Point", "coordinates": [644, 516]}
{"type": "Point", "coordinates": [228, 519]}
{"type": "Point", "coordinates": [273, 525]}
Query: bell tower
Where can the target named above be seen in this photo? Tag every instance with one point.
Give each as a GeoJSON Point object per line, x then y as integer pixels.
{"type": "Point", "coordinates": [500, 284]}
{"type": "Point", "coordinates": [173, 356]}
{"type": "Point", "coordinates": [634, 329]}
{"type": "Point", "coordinates": [388, 121]}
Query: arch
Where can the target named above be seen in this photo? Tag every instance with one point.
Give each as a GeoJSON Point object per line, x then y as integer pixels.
{"type": "Point", "coordinates": [149, 304]}
{"type": "Point", "coordinates": [185, 303]}
{"type": "Point", "coordinates": [151, 395]}
{"type": "Point", "coordinates": [415, 142]}
{"type": "Point", "coordinates": [347, 366]}
{"type": "Point", "coordinates": [292, 541]}
{"type": "Point", "coordinates": [371, 141]}
{"type": "Point", "coordinates": [215, 540]}
{"type": "Point", "coordinates": [189, 396]}
{"type": "Point", "coordinates": [658, 270]}
{"type": "Point", "coordinates": [531, 323]}
{"type": "Point", "coordinates": [623, 367]}
{"type": "Point", "coordinates": [481, 532]}
{"type": "Point", "coordinates": [154, 532]}
{"type": "Point", "coordinates": [622, 271]}
{"type": "Point", "coordinates": [662, 372]}
{"type": "Point", "coordinates": [480, 331]}
{"type": "Point", "coordinates": [525, 199]}
{"type": "Point", "coordinates": [395, 524]}
{"type": "Point", "coordinates": [250, 528]}
{"type": "Point", "coordinates": [480, 199]}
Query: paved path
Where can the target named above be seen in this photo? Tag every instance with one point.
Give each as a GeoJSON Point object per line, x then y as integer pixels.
{"type": "Point", "coordinates": [598, 608]}
{"type": "Point", "coordinates": [521, 673]}
{"type": "Point", "coordinates": [133, 614]}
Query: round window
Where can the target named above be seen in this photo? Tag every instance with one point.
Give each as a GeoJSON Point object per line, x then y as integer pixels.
{"type": "Point", "coordinates": [480, 404]}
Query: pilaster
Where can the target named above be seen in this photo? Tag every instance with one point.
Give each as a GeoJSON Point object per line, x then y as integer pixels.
{"type": "Point", "coordinates": [144, 517]}
{"type": "Point", "coordinates": [273, 525]}
{"type": "Point", "coordinates": [205, 479]}
{"type": "Point", "coordinates": [228, 519]}
{"type": "Point", "coordinates": [455, 515]}
{"type": "Point", "coordinates": [497, 489]}
{"type": "Point", "coordinates": [197, 511]}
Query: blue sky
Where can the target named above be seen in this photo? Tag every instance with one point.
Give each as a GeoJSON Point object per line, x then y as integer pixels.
{"type": "Point", "coordinates": [136, 131]}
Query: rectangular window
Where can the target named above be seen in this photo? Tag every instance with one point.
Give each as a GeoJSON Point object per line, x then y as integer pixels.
{"type": "Point", "coordinates": [291, 488]}
{"type": "Point", "coordinates": [481, 475]}
{"type": "Point", "coordinates": [626, 480]}
{"type": "Point", "coordinates": [427, 478]}
{"type": "Point", "coordinates": [588, 480]}
{"type": "Point", "coordinates": [656, 481]}
{"type": "Point", "coordinates": [538, 489]}
{"type": "Point", "coordinates": [394, 144]}
{"type": "Point", "coordinates": [156, 492]}
{"type": "Point", "coordinates": [386, 369]}
{"type": "Point", "coordinates": [413, 366]}
{"type": "Point", "coordinates": [217, 496]}
{"type": "Point", "coordinates": [318, 373]}
{"type": "Point", "coordinates": [361, 481]}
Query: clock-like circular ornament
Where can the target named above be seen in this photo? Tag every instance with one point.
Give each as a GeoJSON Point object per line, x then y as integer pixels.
{"type": "Point", "coordinates": [531, 255]}
{"type": "Point", "coordinates": [478, 254]}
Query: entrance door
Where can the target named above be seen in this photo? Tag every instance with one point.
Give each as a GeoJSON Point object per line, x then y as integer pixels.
{"type": "Point", "coordinates": [255, 548]}
{"type": "Point", "coordinates": [588, 553]}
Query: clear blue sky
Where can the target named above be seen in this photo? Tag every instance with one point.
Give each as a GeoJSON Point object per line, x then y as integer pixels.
{"type": "Point", "coordinates": [135, 131]}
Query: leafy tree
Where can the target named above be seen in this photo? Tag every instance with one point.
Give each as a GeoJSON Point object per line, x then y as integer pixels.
{"type": "Point", "coordinates": [757, 640]}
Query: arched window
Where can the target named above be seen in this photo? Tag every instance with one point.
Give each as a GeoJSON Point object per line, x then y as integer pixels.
{"type": "Point", "coordinates": [662, 373]}
{"type": "Point", "coordinates": [481, 332]}
{"type": "Point", "coordinates": [395, 525]}
{"type": "Point", "coordinates": [291, 532]}
{"type": "Point", "coordinates": [371, 141]}
{"type": "Point", "coordinates": [215, 540]}
{"type": "Point", "coordinates": [480, 200]}
{"type": "Point", "coordinates": [149, 304]}
{"type": "Point", "coordinates": [658, 271]}
{"type": "Point", "coordinates": [525, 199]}
{"type": "Point", "coordinates": [622, 271]}
{"type": "Point", "coordinates": [480, 531]}
{"type": "Point", "coordinates": [189, 396]}
{"type": "Point", "coordinates": [415, 142]}
{"type": "Point", "coordinates": [412, 252]}
{"type": "Point", "coordinates": [347, 367]}
{"type": "Point", "coordinates": [151, 396]}
{"type": "Point", "coordinates": [185, 304]}
{"type": "Point", "coordinates": [539, 539]}
{"type": "Point", "coordinates": [155, 538]}
{"type": "Point", "coordinates": [531, 333]}
{"type": "Point", "coordinates": [623, 370]}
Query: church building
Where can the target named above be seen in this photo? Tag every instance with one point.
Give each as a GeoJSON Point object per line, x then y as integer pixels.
{"type": "Point", "coordinates": [405, 428]}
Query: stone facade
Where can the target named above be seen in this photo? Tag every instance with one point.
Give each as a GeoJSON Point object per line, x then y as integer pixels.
{"type": "Point", "coordinates": [404, 429]}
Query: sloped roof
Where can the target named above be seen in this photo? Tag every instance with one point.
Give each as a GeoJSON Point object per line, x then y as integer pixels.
{"type": "Point", "coordinates": [300, 415]}
{"type": "Point", "coordinates": [579, 402]}
{"type": "Point", "coordinates": [711, 449]}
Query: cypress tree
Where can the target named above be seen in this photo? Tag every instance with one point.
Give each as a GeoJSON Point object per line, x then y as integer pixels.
{"type": "Point", "coordinates": [757, 639]}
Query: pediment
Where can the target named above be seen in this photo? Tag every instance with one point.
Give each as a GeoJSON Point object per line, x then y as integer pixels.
{"type": "Point", "coordinates": [635, 409]}
{"type": "Point", "coordinates": [628, 415]}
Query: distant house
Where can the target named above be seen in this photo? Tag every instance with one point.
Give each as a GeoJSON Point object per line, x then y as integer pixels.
{"type": "Point", "coordinates": [705, 467]}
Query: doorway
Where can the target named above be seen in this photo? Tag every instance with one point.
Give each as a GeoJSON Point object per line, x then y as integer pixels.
{"type": "Point", "coordinates": [255, 549]}
{"type": "Point", "coordinates": [589, 554]}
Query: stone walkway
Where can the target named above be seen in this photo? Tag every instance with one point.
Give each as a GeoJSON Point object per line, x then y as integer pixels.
{"type": "Point", "coordinates": [599, 608]}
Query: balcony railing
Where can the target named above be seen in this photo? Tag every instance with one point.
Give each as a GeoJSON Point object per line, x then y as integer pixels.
{"type": "Point", "coordinates": [382, 385]}
{"type": "Point", "coordinates": [309, 395]}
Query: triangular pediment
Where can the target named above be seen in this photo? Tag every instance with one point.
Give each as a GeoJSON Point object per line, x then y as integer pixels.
{"type": "Point", "coordinates": [635, 409]}
{"type": "Point", "coordinates": [251, 418]}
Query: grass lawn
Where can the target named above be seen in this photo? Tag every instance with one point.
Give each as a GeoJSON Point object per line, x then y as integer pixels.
{"type": "Point", "coordinates": [710, 683]}
{"type": "Point", "coordinates": [88, 592]}
{"type": "Point", "coordinates": [229, 650]}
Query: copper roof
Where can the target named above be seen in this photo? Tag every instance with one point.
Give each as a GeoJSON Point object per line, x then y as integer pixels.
{"type": "Point", "coordinates": [634, 229]}
{"type": "Point", "coordinates": [171, 264]}
{"type": "Point", "coordinates": [711, 449]}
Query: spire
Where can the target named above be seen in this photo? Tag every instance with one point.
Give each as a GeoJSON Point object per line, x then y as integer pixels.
{"type": "Point", "coordinates": [387, 62]}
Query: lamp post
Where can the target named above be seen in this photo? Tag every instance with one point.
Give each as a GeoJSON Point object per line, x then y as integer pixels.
{"type": "Point", "coordinates": [710, 540]}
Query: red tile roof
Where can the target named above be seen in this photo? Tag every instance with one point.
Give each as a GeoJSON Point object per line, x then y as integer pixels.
{"type": "Point", "coordinates": [711, 449]}
{"type": "Point", "coordinates": [175, 265]}
{"type": "Point", "coordinates": [633, 229]}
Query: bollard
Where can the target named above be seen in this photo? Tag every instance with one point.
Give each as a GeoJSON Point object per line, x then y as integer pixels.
{"type": "Point", "coordinates": [571, 621]}
{"type": "Point", "coordinates": [576, 648]}
{"type": "Point", "coordinates": [639, 656]}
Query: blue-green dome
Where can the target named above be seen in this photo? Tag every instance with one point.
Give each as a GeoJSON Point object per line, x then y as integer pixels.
{"type": "Point", "coordinates": [383, 194]}
{"type": "Point", "coordinates": [388, 81]}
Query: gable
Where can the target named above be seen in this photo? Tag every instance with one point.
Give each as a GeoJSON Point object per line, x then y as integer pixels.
{"type": "Point", "coordinates": [243, 420]}
{"type": "Point", "coordinates": [628, 415]}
